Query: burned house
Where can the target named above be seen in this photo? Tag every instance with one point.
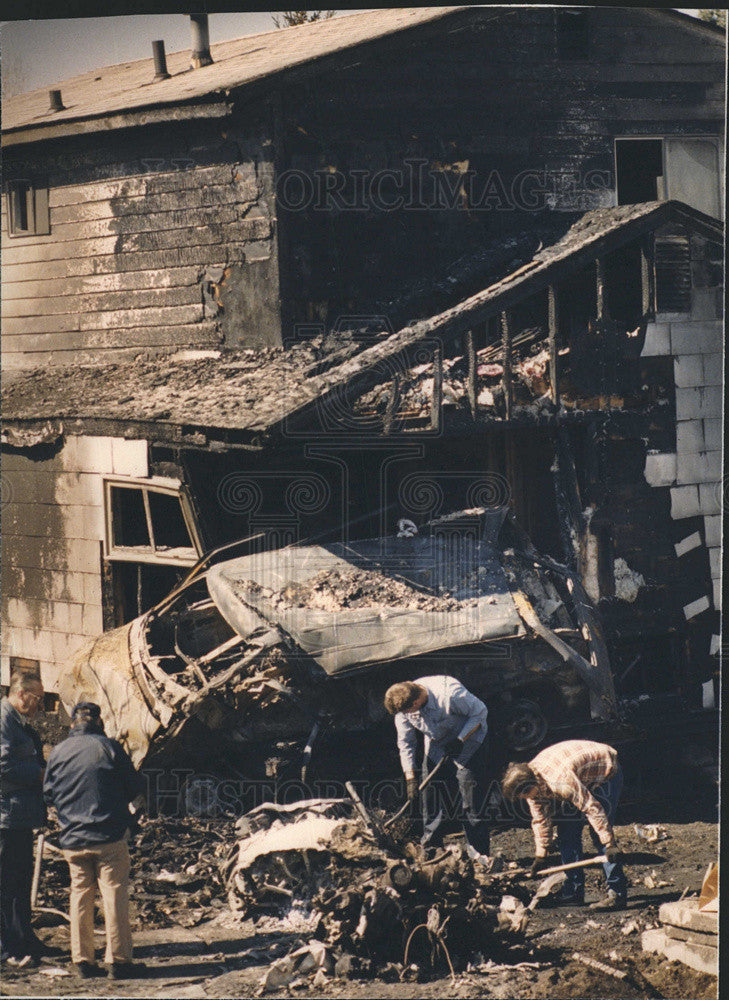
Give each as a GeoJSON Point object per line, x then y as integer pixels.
{"type": "Point", "coordinates": [352, 274]}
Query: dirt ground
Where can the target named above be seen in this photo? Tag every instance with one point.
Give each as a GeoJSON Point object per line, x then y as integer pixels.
{"type": "Point", "coordinates": [222, 957]}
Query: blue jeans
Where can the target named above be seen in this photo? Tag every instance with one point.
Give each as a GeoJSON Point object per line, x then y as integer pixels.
{"type": "Point", "coordinates": [569, 837]}
{"type": "Point", "coordinates": [458, 793]}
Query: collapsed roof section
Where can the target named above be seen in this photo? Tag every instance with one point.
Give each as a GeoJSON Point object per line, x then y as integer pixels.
{"type": "Point", "coordinates": [193, 397]}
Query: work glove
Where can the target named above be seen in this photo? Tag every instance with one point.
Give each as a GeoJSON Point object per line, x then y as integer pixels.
{"type": "Point", "coordinates": [411, 786]}
{"type": "Point", "coordinates": [453, 747]}
{"type": "Point", "coordinates": [537, 865]}
{"type": "Point", "coordinates": [612, 853]}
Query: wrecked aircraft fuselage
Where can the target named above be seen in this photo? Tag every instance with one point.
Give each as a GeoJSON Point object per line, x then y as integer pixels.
{"type": "Point", "coordinates": [274, 643]}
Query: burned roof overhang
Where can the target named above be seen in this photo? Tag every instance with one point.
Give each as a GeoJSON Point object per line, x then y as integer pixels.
{"type": "Point", "coordinates": [25, 433]}
{"type": "Point", "coordinates": [365, 370]}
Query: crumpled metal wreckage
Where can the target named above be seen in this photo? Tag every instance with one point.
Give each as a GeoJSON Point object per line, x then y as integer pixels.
{"type": "Point", "coordinates": [266, 644]}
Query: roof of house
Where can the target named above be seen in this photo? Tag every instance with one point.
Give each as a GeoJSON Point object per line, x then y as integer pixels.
{"type": "Point", "coordinates": [127, 89]}
{"type": "Point", "coordinates": [258, 391]}
{"type": "Point", "coordinates": [129, 86]}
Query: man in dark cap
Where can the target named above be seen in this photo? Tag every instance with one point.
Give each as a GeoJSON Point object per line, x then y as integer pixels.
{"type": "Point", "coordinates": [91, 781]}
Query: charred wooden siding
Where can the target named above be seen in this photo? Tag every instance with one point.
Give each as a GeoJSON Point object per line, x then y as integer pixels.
{"type": "Point", "coordinates": [145, 230]}
{"type": "Point", "coordinates": [483, 116]}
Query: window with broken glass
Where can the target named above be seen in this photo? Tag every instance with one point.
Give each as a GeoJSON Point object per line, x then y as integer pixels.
{"type": "Point", "coordinates": [150, 522]}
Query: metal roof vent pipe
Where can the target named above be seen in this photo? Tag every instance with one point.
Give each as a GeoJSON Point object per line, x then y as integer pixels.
{"type": "Point", "coordinates": [200, 41]}
{"type": "Point", "coordinates": [160, 61]}
{"type": "Point", "coordinates": [56, 102]}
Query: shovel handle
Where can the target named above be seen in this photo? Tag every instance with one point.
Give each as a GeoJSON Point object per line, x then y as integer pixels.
{"type": "Point", "coordinates": [40, 844]}
{"type": "Point", "coordinates": [423, 784]}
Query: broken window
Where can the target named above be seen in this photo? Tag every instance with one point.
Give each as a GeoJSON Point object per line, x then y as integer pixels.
{"type": "Point", "coordinates": [677, 168]}
{"type": "Point", "coordinates": [27, 209]}
{"type": "Point", "coordinates": [639, 170]}
{"type": "Point", "coordinates": [147, 522]}
{"type": "Point", "coordinates": [572, 27]}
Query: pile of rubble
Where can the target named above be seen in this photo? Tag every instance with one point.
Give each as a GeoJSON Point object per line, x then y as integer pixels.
{"type": "Point", "coordinates": [689, 930]}
{"type": "Point", "coordinates": [334, 590]}
{"type": "Point", "coordinates": [314, 867]}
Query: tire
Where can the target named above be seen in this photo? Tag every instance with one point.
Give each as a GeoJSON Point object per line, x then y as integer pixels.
{"type": "Point", "coordinates": [525, 725]}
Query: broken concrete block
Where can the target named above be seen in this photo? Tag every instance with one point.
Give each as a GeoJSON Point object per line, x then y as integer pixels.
{"type": "Point", "coordinates": [660, 470]}
{"type": "Point", "coordinates": [688, 370]}
{"type": "Point", "coordinates": [657, 340]}
{"type": "Point", "coordinates": [685, 913]}
{"type": "Point", "coordinates": [716, 585]}
{"type": "Point", "coordinates": [696, 956]}
{"type": "Point", "coordinates": [712, 433]}
{"type": "Point", "coordinates": [713, 365]}
{"type": "Point", "coordinates": [696, 402]}
{"type": "Point", "coordinates": [710, 498]}
{"type": "Point", "coordinates": [690, 437]}
{"type": "Point", "coordinates": [688, 543]}
{"type": "Point", "coordinates": [712, 530]}
{"type": "Point", "coordinates": [685, 502]}
{"type": "Point", "coordinates": [696, 607]}
{"type": "Point", "coordinates": [715, 562]}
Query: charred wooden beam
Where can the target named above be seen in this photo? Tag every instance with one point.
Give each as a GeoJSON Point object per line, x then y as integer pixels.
{"type": "Point", "coordinates": [436, 401]}
{"type": "Point", "coordinates": [553, 344]}
{"type": "Point", "coordinates": [600, 289]}
{"type": "Point", "coordinates": [471, 381]}
{"type": "Point", "coordinates": [506, 344]}
{"type": "Point", "coordinates": [648, 277]}
{"type": "Point", "coordinates": [392, 405]}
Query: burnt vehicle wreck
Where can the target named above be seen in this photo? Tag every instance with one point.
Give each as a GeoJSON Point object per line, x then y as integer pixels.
{"type": "Point", "coordinates": [283, 644]}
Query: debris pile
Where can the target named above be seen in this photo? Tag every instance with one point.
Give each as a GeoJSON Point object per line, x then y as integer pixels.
{"type": "Point", "coordinates": [314, 866]}
{"type": "Point", "coordinates": [334, 590]}
{"type": "Point", "coordinates": [689, 930]}
{"type": "Point", "coordinates": [176, 865]}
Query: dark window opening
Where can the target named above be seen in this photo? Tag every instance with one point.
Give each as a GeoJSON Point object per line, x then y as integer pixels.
{"type": "Point", "coordinates": [170, 530]}
{"type": "Point", "coordinates": [638, 165]}
{"type": "Point", "coordinates": [137, 587]}
{"type": "Point", "coordinates": [129, 518]}
{"type": "Point", "coordinates": [624, 288]}
{"type": "Point", "coordinates": [27, 209]}
{"type": "Point", "coordinates": [572, 34]}
{"type": "Point", "coordinates": [673, 273]}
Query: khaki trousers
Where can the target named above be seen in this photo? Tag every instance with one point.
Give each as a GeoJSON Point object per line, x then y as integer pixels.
{"type": "Point", "coordinates": [108, 866]}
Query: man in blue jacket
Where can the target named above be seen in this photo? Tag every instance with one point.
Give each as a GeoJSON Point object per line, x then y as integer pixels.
{"type": "Point", "coordinates": [453, 724]}
{"type": "Point", "coordinates": [21, 810]}
{"type": "Point", "coordinates": [91, 781]}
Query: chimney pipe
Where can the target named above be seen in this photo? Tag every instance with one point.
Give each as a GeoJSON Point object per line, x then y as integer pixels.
{"type": "Point", "coordinates": [56, 102]}
{"type": "Point", "coordinates": [160, 61]}
{"type": "Point", "coordinates": [200, 41]}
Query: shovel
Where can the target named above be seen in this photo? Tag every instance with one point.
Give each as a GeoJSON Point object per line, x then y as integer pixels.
{"type": "Point", "coordinates": [425, 782]}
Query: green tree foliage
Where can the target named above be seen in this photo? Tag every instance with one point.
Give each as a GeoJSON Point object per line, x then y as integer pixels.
{"type": "Point", "coordinates": [289, 18]}
{"type": "Point", "coordinates": [716, 15]}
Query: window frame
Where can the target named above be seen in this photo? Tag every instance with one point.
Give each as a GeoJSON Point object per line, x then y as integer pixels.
{"type": "Point", "coordinates": [36, 199]}
{"type": "Point", "coordinates": [114, 552]}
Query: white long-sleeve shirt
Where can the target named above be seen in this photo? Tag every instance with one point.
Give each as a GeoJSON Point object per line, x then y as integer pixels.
{"type": "Point", "coordinates": [450, 712]}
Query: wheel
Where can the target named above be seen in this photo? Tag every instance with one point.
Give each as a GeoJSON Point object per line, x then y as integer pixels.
{"type": "Point", "coordinates": [525, 725]}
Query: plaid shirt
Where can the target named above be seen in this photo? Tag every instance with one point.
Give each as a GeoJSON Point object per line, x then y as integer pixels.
{"type": "Point", "coordinates": [570, 770]}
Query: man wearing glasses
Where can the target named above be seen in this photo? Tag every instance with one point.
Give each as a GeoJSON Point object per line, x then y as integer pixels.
{"type": "Point", "coordinates": [21, 810]}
